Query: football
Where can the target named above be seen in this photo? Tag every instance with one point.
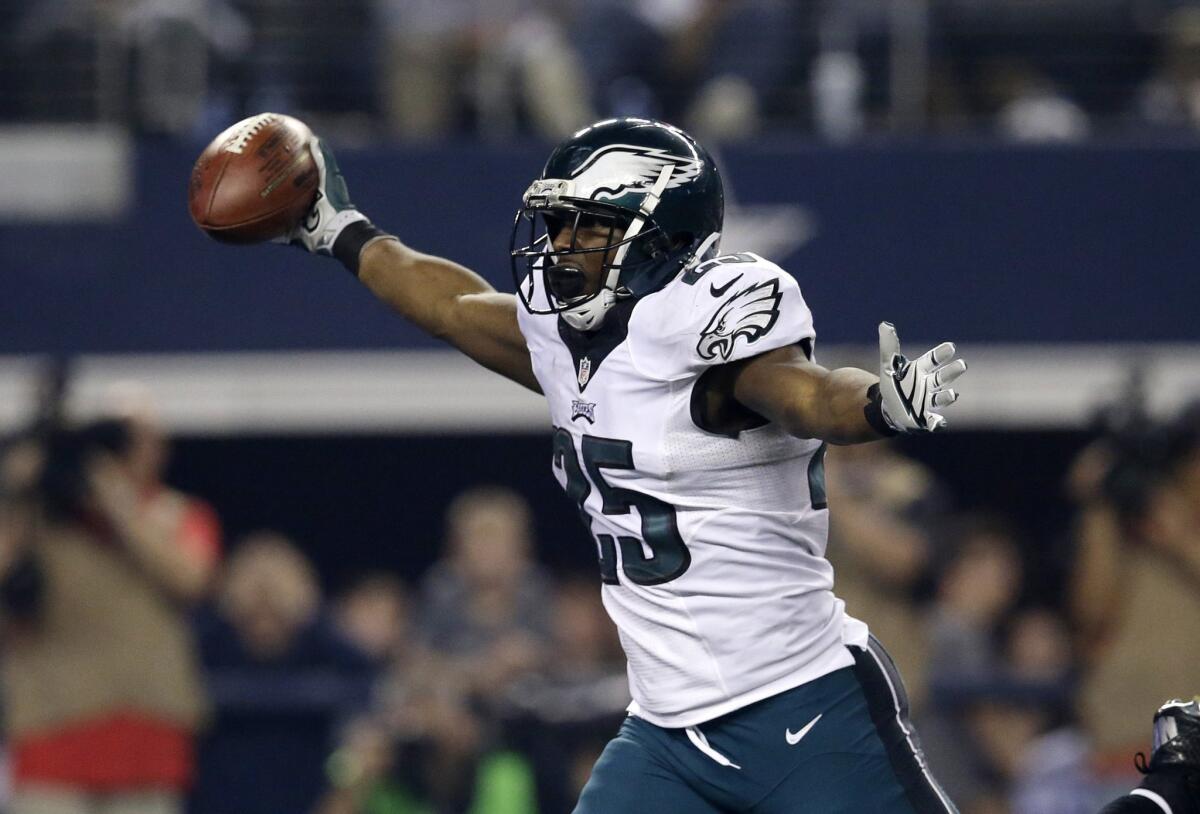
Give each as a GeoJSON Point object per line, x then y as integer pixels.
{"type": "Point", "coordinates": [255, 181]}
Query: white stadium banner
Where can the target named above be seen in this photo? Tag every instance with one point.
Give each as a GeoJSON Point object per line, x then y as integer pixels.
{"type": "Point", "coordinates": [1011, 387]}
{"type": "Point", "coordinates": [57, 173]}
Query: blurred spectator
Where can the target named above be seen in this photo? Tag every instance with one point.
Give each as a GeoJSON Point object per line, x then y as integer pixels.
{"type": "Point", "coordinates": [374, 615]}
{"type": "Point", "coordinates": [1050, 69]}
{"type": "Point", "coordinates": [427, 748]}
{"type": "Point", "coordinates": [1051, 772]}
{"type": "Point", "coordinates": [485, 620]}
{"type": "Point", "coordinates": [1039, 647]}
{"type": "Point", "coordinates": [315, 59]}
{"type": "Point", "coordinates": [423, 744]}
{"type": "Point", "coordinates": [978, 585]}
{"type": "Point", "coordinates": [376, 770]}
{"type": "Point", "coordinates": [1171, 98]}
{"type": "Point", "coordinates": [1054, 775]}
{"type": "Point", "coordinates": [967, 729]}
{"type": "Point", "coordinates": [712, 65]}
{"type": "Point", "coordinates": [564, 714]}
{"type": "Point", "coordinates": [156, 65]}
{"type": "Point", "coordinates": [1007, 733]}
{"type": "Point", "coordinates": [499, 68]}
{"type": "Point", "coordinates": [885, 508]}
{"type": "Point", "coordinates": [56, 44]}
{"type": "Point", "coordinates": [101, 691]}
{"type": "Point", "coordinates": [1031, 108]}
{"type": "Point", "coordinates": [365, 774]}
{"type": "Point", "coordinates": [15, 530]}
{"type": "Point", "coordinates": [281, 679]}
{"type": "Point", "coordinates": [486, 605]}
{"type": "Point", "coordinates": [494, 60]}
{"type": "Point", "coordinates": [1136, 588]}
{"type": "Point", "coordinates": [419, 749]}
{"type": "Point", "coordinates": [446, 718]}
{"type": "Point", "coordinates": [191, 521]}
{"type": "Point", "coordinates": [384, 757]}
{"type": "Point", "coordinates": [1016, 730]}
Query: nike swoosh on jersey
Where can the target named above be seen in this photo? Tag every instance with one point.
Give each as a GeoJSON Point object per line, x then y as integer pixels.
{"type": "Point", "coordinates": [718, 292]}
{"type": "Point", "coordinates": [794, 737]}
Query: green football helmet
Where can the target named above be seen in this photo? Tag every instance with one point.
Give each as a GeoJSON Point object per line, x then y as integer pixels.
{"type": "Point", "coordinates": [658, 192]}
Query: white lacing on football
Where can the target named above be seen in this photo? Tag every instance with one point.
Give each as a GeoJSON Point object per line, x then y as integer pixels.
{"type": "Point", "coordinates": [246, 131]}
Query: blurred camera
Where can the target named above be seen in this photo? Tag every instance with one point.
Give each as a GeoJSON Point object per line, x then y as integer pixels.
{"type": "Point", "coordinates": [1144, 455]}
{"type": "Point", "coordinates": [63, 484]}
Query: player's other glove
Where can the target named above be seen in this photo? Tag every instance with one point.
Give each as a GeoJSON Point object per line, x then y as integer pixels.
{"type": "Point", "coordinates": [911, 391]}
{"type": "Point", "coordinates": [333, 226]}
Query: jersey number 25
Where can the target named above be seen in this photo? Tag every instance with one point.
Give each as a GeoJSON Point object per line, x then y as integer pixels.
{"type": "Point", "coordinates": [669, 556]}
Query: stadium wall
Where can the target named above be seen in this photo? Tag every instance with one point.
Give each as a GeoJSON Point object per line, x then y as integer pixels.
{"type": "Point", "coordinates": [1059, 269]}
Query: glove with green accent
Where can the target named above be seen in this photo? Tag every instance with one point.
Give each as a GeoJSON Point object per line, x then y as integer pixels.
{"type": "Point", "coordinates": [333, 226]}
{"type": "Point", "coordinates": [910, 391]}
{"type": "Point", "coordinates": [331, 212]}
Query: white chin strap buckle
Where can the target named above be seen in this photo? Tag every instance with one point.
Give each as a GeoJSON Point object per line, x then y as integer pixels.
{"type": "Point", "coordinates": [587, 316]}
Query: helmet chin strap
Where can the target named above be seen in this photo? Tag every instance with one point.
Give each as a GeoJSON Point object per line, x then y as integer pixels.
{"type": "Point", "coordinates": [710, 244]}
{"type": "Point", "coordinates": [587, 316]}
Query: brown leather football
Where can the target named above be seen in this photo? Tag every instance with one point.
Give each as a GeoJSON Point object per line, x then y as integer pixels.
{"type": "Point", "coordinates": [255, 181]}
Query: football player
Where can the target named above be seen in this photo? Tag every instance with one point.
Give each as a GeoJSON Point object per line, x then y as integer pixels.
{"type": "Point", "coordinates": [690, 425]}
{"type": "Point", "coordinates": [1172, 775]}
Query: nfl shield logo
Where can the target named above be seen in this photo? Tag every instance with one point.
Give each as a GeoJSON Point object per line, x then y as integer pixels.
{"type": "Point", "coordinates": [585, 371]}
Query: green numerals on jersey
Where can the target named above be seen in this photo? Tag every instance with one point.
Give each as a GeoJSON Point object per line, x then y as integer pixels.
{"type": "Point", "coordinates": [669, 556]}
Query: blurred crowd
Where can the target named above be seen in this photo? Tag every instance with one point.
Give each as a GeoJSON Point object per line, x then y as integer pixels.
{"type": "Point", "coordinates": [147, 666]}
{"type": "Point", "coordinates": [1029, 70]}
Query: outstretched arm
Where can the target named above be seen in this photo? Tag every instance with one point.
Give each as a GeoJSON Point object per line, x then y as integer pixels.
{"type": "Point", "coordinates": [848, 405]}
{"type": "Point", "coordinates": [451, 303]}
{"type": "Point", "coordinates": [806, 399]}
{"type": "Point", "coordinates": [437, 295]}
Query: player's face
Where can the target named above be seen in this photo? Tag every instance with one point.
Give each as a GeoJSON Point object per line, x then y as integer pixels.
{"type": "Point", "coordinates": [571, 254]}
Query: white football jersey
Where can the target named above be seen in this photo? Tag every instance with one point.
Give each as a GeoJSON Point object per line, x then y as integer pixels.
{"type": "Point", "coordinates": [711, 547]}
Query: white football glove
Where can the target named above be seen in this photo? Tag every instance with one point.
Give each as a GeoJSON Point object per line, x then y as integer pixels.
{"type": "Point", "coordinates": [911, 391]}
{"type": "Point", "coordinates": [331, 211]}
